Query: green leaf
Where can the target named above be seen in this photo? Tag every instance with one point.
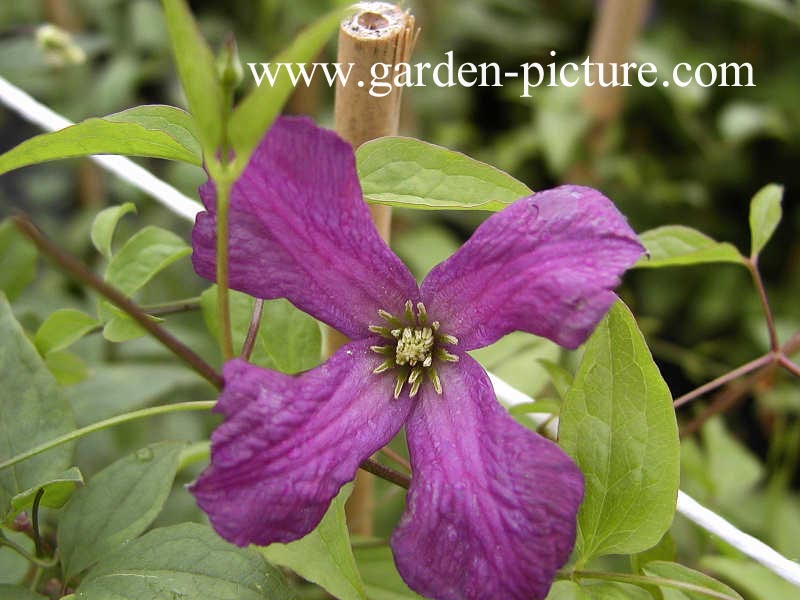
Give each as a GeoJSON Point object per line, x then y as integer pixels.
{"type": "Point", "coordinates": [186, 562]}
{"type": "Point", "coordinates": [117, 505]}
{"type": "Point", "coordinates": [198, 72]}
{"type": "Point", "coordinates": [613, 590]}
{"type": "Point", "coordinates": [618, 424]}
{"type": "Point", "coordinates": [560, 378]}
{"type": "Point", "coordinates": [676, 572]}
{"type": "Point", "coordinates": [567, 590]}
{"type": "Point", "coordinates": [16, 592]}
{"type": "Point", "coordinates": [104, 225]}
{"type": "Point", "coordinates": [62, 328]}
{"type": "Point", "coordinates": [380, 576]}
{"type": "Point", "coordinates": [324, 556]}
{"type": "Point", "coordinates": [288, 340]}
{"type": "Point", "coordinates": [143, 256]}
{"type": "Point", "coordinates": [732, 468]}
{"type": "Point", "coordinates": [256, 112]}
{"type": "Point", "coordinates": [410, 173]}
{"type": "Point", "coordinates": [131, 133]}
{"type": "Point", "coordinates": [17, 260]}
{"type": "Point", "coordinates": [66, 367]}
{"type": "Point", "coordinates": [291, 338]}
{"type": "Point", "coordinates": [13, 567]}
{"type": "Point", "coordinates": [757, 582]}
{"type": "Point", "coordinates": [56, 491]}
{"type": "Point", "coordinates": [114, 389]}
{"type": "Point", "coordinates": [32, 411]}
{"type": "Point", "coordinates": [676, 246]}
{"type": "Point", "coordinates": [515, 359]}
{"type": "Point", "coordinates": [765, 214]}
{"type": "Point", "coordinates": [664, 550]}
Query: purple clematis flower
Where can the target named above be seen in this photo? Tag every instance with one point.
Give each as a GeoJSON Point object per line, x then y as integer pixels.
{"type": "Point", "coordinates": [492, 506]}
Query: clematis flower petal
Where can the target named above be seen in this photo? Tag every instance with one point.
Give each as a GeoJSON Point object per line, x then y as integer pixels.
{"type": "Point", "coordinates": [289, 443]}
{"type": "Point", "coordinates": [299, 229]}
{"type": "Point", "coordinates": [491, 508]}
{"type": "Point", "coordinates": [546, 264]}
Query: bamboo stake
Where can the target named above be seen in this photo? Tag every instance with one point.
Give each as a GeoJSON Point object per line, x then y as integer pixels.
{"type": "Point", "coordinates": [377, 32]}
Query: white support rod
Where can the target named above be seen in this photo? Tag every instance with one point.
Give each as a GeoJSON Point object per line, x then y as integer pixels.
{"type": "Point", "coordinates": [41, 115]}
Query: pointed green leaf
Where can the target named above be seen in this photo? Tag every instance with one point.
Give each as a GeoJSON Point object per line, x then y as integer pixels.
{"type": "Point", "coordinates": [56, 491]}
{"type": "Point", "coordinates": [567, 590]}
{"type": "Point", "coordinates": [618, 424]}
{"type": "Point", "coordinates": [677, 246]}
{"type": "Point", "coordinates": [253, 116]}
{"type": "Point", "coordinates": [288, 340]}
{"type": "Point", "coordinates": [143, 256]}
{"type": "Point", "coordinates": [117, 505]}
{"type": "Point", "coordinates": [183, 562]}
{"type": "Point", "coordinates": [16, 592]}
{"type": "Point", "coordinates": [324, 556]}
{"type": "Point", "coordinates": [755, 580]}
{"type": "Point", "coordinates": [105, 224]}
{"type": "Point", "coordinates": [765, 214]}
{"type": "Point", "coordinates": [676, 572]}
{"type": "Point", "coordinates": [134, 132]}
{"type": "Point", "coordinates": [17, 261]}
{"type": "Point", "coordinates": [32, 411]}
{"type": "Point", "coordinates": [380, 576]}
{"type": "Point", "coordinates": [66, 367]}
{"type": "Point", "coordinates": [62, 328]}
{"type": "Point", "coordinates": [613, 590]}
{"type": "Point", "coordinates": [410, 173]}
{"type": "Point", "coordinates": [198, 72]}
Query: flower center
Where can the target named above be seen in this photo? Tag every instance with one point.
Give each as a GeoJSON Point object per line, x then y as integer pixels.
{"type": "Point", "coordinates": [415, 345]}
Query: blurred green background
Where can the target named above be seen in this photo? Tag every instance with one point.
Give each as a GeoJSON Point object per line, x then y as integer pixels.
{"type": "Point", "coordinates": [690, 156]}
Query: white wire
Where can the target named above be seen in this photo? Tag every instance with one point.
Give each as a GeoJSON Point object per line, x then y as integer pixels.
{"type": "Point", "coordinates": [41, 115]}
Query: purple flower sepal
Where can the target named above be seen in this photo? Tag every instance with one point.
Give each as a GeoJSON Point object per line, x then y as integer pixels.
{"type": "Point", "coordinates": [492, 506]}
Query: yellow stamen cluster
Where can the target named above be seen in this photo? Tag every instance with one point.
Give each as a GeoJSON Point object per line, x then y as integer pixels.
{"type": "Point", "coordinates": [416, 344]}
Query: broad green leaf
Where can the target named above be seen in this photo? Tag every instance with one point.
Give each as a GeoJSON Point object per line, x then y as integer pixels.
{"type": "Point", "coordinates": [515, 359]}
{"type": "Point", "coordinates": [17, 261]}
{"type": "Point", "coordinates": [410, 173]}
{"type": "Point", "coordinates": [143, 256]}
{"type": "Point", "coordinates": [183, 562]}
{"type": "Point", "coordinates": [324, 556]}
{"type": "Point", "coordinates": [288, 339]}
{"type": "Point", "coordinates": [545, 406]}
{"type": "Point", "coordinates": [676, 572]}
{"type": "Point", "coordinates": [32, 411]}
{"type": "Point", "coordinates": [291, 337]}
{"type": "Point", "coordinates": [134, 132]}
{"type": "Point", "coordinates": [618, 424]}
{"type": "Point", "coordinates": [104, 225]}
{"type": "Point", "coordinates": [13, 567]}
{"type": "Point", "coordinates": [114, 389]}
{"type": "Point", "coordinates": [765, 214]}
{"type": "Point", "coordinates": [380, 576]}
{"type": "Point", "coordinates": [732, 468]}
{"type": "Point", "coordinates": [755, 581]}
{"type": "Point", "coordinates": [56, 491]}
{"type": "Point", "coordinates": [664, 551]}
{"type": "Point", "coordinates": [117, 505]}
{"type": "Point", "coordinates": [567, 590]}
{"type": "Point", "coordinates": [198, 72]}
{"type": "Point", "coordinates": [17, 592]}
{"type": "Point", "coordinates": [121, 327]}
{"type": "Point", "coordinates": [560, 378]}
{"type": "Point", "coordinates": [676, 246]}
{"type": "Point", "coordinates": [256, 112]}
{"type": "Point", "coordinates": [62, 328]}
{"type": "Point", "coordinates": [66, 367]}
{"type": "Point", "coordinates": [613, 590]}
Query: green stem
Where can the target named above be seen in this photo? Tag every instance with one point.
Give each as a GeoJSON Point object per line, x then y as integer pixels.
{"type": "Point", "coordinates": [104, 424]}
{"type": "Point", "coordinates": [223, 201]}
{"type": "Point", "coordinates": [44, 564]}
{"type": "Point", "coordinates": [199, 451]}
{"type": "Point", "coordinates": [648, 580]}
{"type": "Point", "coordinates": [172, 307]}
